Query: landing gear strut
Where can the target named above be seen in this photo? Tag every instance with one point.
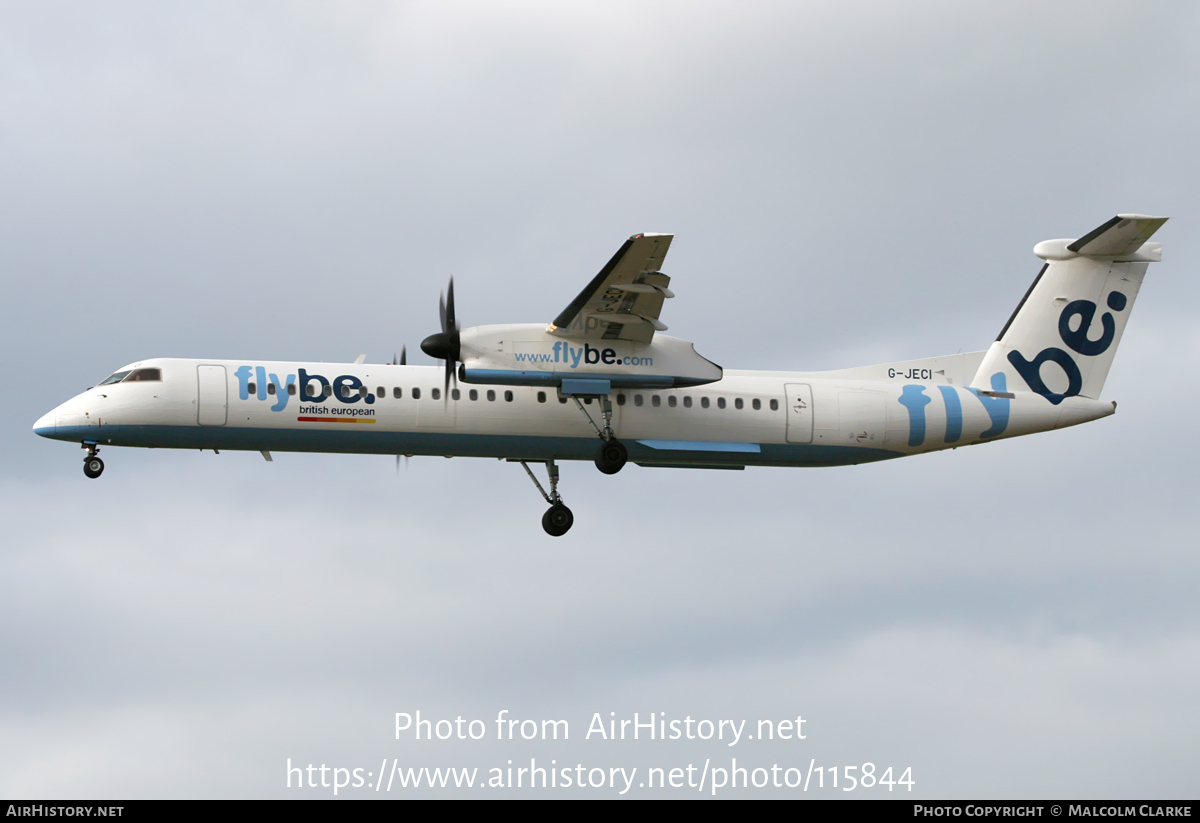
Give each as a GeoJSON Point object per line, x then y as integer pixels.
{"type": "Point", "coordinates": [93, 466]}
{"type": "Point", "coordinates": [611, 456]}
{"type": "Point", "coordinates": [558, 519]}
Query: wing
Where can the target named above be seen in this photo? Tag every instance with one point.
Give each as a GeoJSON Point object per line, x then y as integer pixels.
{"type": "Point", "coordinates": [623, 301]}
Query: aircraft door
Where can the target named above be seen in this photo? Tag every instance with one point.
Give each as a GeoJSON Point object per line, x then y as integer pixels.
{"type": "Point", "coordinates": [798, 397]}
{"type": "Point", "coordinates": [212, 398]}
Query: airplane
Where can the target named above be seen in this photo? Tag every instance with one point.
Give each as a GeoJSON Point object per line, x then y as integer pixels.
{"type": "Point", "coordinates": [602, 383]}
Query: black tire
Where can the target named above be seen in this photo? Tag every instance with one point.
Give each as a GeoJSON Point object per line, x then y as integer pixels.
{"type": "Point", "coordinates": [93, 467]}
{"type": "Point", "coordinates": [557, 520]}
{"type": "Point", "coordinates": [611, 456]}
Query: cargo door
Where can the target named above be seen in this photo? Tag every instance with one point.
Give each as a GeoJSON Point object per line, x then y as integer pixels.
{"type": "Point", "coordinates": [862, 417]}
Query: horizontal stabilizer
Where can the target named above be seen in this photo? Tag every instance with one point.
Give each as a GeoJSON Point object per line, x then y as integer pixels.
{"type": "Point", "coordinates": [1124, 234]}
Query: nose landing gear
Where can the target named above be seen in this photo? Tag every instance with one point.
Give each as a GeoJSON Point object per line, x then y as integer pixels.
{"type": "Point", "coordinates": [93, 466]}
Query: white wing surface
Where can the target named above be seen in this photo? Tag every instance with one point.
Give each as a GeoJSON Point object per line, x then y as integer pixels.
{"type": "Point", "coordinates": [624, 300]}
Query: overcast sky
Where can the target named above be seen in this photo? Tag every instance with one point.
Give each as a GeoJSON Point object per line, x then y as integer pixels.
{"type": "Point", "coordinates": [847, 183]}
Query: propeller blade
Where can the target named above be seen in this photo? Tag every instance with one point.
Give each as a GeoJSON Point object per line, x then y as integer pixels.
{"type": "Point", "coordinates": [404, 355]}
{"type": "Point", "coordinates": [445, 344]}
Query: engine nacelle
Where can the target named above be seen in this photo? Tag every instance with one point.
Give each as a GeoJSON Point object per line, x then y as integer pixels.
{"type": "Point", "coordinates": [528, 355]}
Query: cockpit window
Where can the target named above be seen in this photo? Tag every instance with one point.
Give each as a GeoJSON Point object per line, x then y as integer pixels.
{"type": "Point", "coordinates": [144, 374]}
{"type": "Point", "coordinates": [116, 378]}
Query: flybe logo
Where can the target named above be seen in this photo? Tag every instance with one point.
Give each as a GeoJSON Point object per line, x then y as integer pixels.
{"type": "Point", "coordinates": [572, 356]}
{"type": "Point", "coordinates": [914, 399]}
{"type": "Point", "coordinates": [1077, 340]}
{"type": "Point", "coordinates": [256, 383]}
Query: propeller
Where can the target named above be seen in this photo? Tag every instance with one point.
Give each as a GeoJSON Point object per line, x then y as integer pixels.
{"type": "Point", "coordinates": [403, 357]}
{"type": "Point", "coordinates": [445, 344]}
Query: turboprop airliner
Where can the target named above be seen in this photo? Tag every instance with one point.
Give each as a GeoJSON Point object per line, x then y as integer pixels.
{"type": "Point", "coordinates": [603, 383]}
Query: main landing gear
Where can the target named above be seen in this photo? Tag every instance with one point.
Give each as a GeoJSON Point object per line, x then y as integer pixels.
{"type": "Point", "coordinates": [558, 519]}
{"type": "Point", "coordinates": [93, 466]}
{"type": "Point", "coordinates": [611, 456]}
{"type": "Point", "coordinates": [610, 459]}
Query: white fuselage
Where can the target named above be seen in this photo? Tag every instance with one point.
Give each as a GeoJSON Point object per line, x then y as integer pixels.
{"type": "Point", "coordinates": [746, 418]}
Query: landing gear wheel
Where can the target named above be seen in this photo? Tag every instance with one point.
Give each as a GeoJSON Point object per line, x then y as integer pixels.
{"type": "Point", "coordinates": [611, 457]}
{"type": "Point", "coordinates": [557, 520]}
{"type": "Point", "coordinates": [93, 467]}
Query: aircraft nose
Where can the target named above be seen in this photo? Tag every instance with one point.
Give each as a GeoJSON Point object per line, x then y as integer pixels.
{"type": "Point", "coordinates": [45, 425]}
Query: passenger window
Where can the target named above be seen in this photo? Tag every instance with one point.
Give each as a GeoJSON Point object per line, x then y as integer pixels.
{"type": "Point", "coordinates": [327, 391]}
{"type": "Point", "coordinates": [704, 402]}
{"type": "Point", "coordinates": [271, 388]}
{"type": "Point", "coordinates": [687, 401]}
{"type": "Point", "coordinates": [362, 391]}
{"type": "Point", "coordinates": [720, 402]}
{"type": "Point", "coordinates": [562, 399]}
{"type": "Point", "coordinates": [491, 395]}
{"type": "Point", "coordinates": [380, 391]}
{"type": "Point", "coordinates": [737, 404]}
{"type": "Point", "coordinates": [541, 397]}
{"type": "Point", "coordinates": [144, 374]}
{"type": "Point", "coordinates": [252, 388]}
{"type": "Point", "coordinates": [436, 394]}
{"type": "Point", "coordinates": [292, 389]}
{"type": "Point", "coordinates": [655, 400]}
{"type": "Point", "coordinates": [473, 394]}
{"type": "Point", "coordinates": [416, 394]}
{"type": "Point", "coordinates": [397, 392]}
{"type": "Point", "coordinates": [774, 405]}
{"type": "Point", "coordinates": [587, 401]}
{"type": "Point", "coordinates": [757, 404]}
{"type": "Point", "coordinates": [637, 400]}
{"type": "Point", "coordinates": [672, 400]}
{"type": "Point", "coordinates": [455, 394]}
{"type": "Point", "coordinates": [508, 395]}
{"type": "Point", "coordinates": [620, 400]}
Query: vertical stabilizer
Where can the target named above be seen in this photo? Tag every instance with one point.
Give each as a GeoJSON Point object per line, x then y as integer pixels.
{"type": "Point", "coordinates": [1061, 339]}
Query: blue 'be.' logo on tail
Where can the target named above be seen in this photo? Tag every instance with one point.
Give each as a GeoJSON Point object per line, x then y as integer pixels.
{"type": "Point", "coordinates": [1075, 339]}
